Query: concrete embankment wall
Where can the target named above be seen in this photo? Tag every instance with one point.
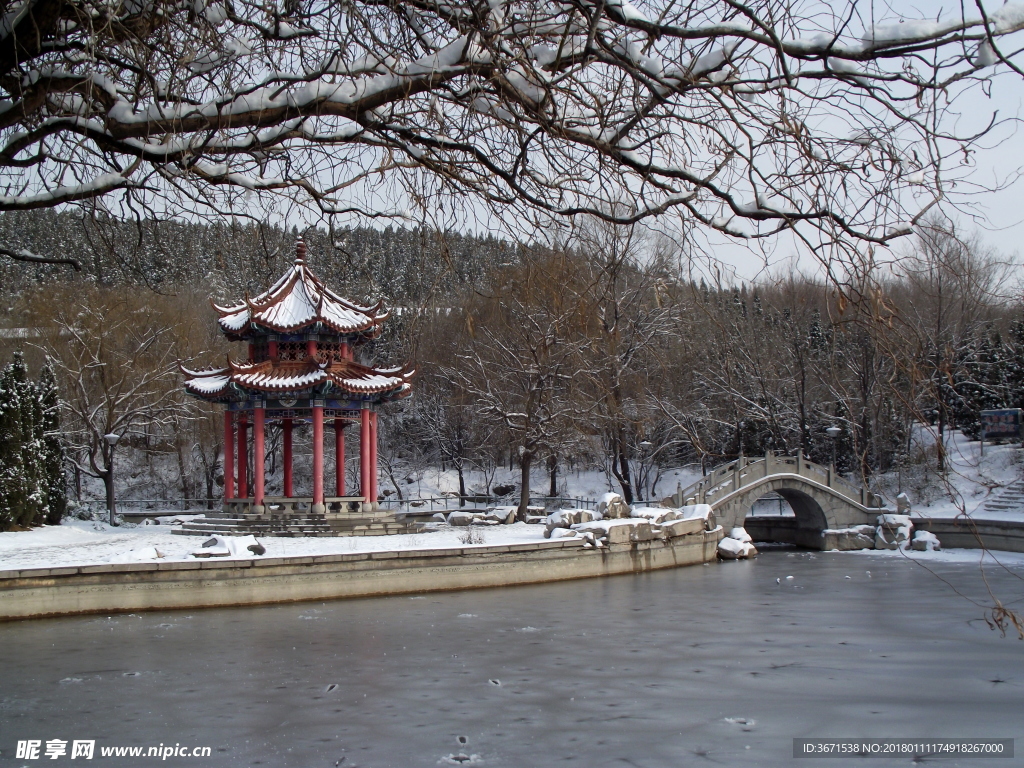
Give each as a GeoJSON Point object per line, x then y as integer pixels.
{"type": "Point", "coordinates": [210, 583]}
{"type": "Point", "coordinates": [1004, 535]}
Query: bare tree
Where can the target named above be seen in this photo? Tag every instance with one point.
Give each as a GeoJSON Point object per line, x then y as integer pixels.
{"type": "Point", "coordinates": [114, 359]}
{"type": "Point", "coordinates": [951, 287]}
{"type": "Point", "coordinates": [745, 118]}
{"type": "Point", "coordinates": [522, 366]}
{"type": "Point", "coordinates": [623, 288]}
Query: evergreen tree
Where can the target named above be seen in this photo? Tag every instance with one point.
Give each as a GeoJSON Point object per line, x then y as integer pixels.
{"type": "Point", "coordinates": [53, 446]}
{"type": "Point", "coordinates": [33, 511]}
{"type": "Point", "coordinates": [13, 486]}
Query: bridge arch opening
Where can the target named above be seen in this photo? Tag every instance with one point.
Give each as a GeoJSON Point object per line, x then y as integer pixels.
{"type": "Point", "coordinates": [800, 523]}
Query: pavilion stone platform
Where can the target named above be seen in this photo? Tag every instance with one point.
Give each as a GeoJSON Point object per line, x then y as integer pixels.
{"type": "Point", "coordinates": [342, 516]}
{"type": "Point", "coordinates": [302, 370]}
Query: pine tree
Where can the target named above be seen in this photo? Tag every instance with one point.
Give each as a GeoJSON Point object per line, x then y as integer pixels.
{"type": "Point", "coordinates": [13, 486]}
{"type": "Point", "coordinates": [33, 511]}
{"type": "Point", "coordinates": [53, 446]}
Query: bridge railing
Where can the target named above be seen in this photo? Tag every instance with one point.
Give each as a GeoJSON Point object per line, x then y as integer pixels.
{"type": "Point", "coordinates": [734, 475]}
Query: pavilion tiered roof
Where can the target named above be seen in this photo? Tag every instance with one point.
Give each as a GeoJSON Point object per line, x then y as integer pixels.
{"type": "Point", "coordinates": [299, 302]}
{"type": "Point", "coordinates": [344, 378]}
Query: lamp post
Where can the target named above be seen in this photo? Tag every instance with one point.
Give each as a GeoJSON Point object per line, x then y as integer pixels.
{"type": "Point", "coordinates": [111, 439]}
{"type": "Point", "coordinates": [834, 433]}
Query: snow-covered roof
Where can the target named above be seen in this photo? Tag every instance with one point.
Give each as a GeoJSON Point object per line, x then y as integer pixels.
{"type": "Point", "coordinates": [296, 301]}
{"type": "Point", "coordinates": [295, 377]}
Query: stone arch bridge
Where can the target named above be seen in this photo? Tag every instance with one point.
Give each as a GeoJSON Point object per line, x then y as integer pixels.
{"type": "Point", "coordinates": [821, 500]}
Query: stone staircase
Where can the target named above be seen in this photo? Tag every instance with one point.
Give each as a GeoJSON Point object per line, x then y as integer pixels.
{"type": "Point", "coordinates": [1010, 499]}
{"type": "Point", "coordinates": [298, 524]}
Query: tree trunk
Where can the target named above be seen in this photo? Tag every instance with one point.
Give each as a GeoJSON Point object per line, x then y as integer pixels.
{"type": "Point", "coordinates": [553, 471]}
{"type": "Point", "coordinates": [623, 475]}
{"type": "Point", "coordinates": [182, 474]}
{"type": "Point", "coordinates": [525, 460]}
{"type": "Point", "coordinates": [462, 482]}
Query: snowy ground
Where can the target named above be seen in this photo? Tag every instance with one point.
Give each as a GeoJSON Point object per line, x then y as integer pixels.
{"type": "Point", "coordinates": [972, 479]}
{"type": "Point", "coordinates": [78, 542]}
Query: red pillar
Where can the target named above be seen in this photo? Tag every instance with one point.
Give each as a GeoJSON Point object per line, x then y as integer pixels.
{"type": "Point", "coordinates": [243, 457]}
{"type": "Point", "coordinates": [373, 456]}
{"type": "Point", "coordinates": [257, 457]}
{"type": "Point", "coordinates": [229, 455]}
{"type": "Point", "coordinates": [339, 456]}
{"type": "Point", "coordinates": [287, 458]}
{"type": "Point", "coordinates": [364, 453]}
{"type": "Point", "coordinates": [318, 455]}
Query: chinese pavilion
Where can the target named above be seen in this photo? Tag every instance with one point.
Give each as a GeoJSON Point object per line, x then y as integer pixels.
{"type": "Point", "coordinates": [301, 368]}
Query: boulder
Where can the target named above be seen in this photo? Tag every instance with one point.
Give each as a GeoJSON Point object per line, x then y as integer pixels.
{"type": "Point", "coordinates": [903, 504]}
{"type": "Point", "coordinates": [882, 541]}
{"type": "Point", "coordinates": [655, 514]}
{"type": "Point", "coordinates": [925, 541]}
{"type": "Point", "coordinates": [702, 511]}
{"type": "Point", "coordinates": [642, 532]}
{"type": "Point", "coordinates": [460, 518]}
{"type": "Point", "coordinates": [847, 539]}
{"type": "Point", "coordinates": [506, 515]}
{"type": "Point", "coordinates": [731, 549]}
{"type": "Point", "coordinates": [894, 522]}
{"type": "Point", "coordinates": [560, 533]}
{"type": "Point", "coordinates": [563, 518]}
{"type": "Point", "coordinates": [674, 528]}
{"type": "Point", "coordinates": [620, 534]}
{"type": "Point", "coordinates": [612, 507]}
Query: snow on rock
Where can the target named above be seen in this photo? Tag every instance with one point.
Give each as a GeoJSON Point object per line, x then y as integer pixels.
{"type": "Point", "coordinates": [903, 504]}
{"type": "Point", "coordinates": [892, 522]}
{"type": "Point", "coordinates": [461, 518]}
{"type": "Point", "coordinates": [611, 506]}
{"type": "Point", "coordinates": [235, 547]}
{"type": "Point", "coordinates": [739, 534]}
{"type": "Point", "coordinates": [731, 549]}
{"type": "Point", "coordinates": [699, 510]}
{"type": "Point", "coordinates": [656, 514]}
{"type": "Point", "coordinates": [893, 531]}
{"type": "Point", "coordinates": [566, 518]}
{"type": "Point", "coordinates": [925, 541]}
{"type": "Point", "coordinates": [561, 533]}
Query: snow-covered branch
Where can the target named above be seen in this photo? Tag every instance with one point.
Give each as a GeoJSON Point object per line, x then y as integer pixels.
{"type": "Point", "coordinates": [743, 118]}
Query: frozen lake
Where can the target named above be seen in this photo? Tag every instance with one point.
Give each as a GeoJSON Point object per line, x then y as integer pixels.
{"type": "Point", "coordinates": [713, 665]}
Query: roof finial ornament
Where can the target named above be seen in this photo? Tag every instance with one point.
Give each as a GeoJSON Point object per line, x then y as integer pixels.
{"type": "Point", "coordinates": [300, 251]}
